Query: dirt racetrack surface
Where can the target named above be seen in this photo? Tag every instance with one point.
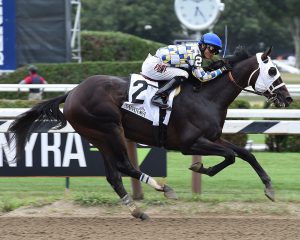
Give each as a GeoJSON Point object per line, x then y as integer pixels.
{"type": "Point", "coordinates": [59, 221]}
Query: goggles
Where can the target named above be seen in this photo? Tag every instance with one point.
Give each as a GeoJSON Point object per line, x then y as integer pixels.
{"type": "Point", "coordinates": [212, 49]}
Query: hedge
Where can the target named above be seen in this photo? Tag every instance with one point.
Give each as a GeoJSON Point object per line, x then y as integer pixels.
{"type": "Point", "coordinates": [71, 73]}
{"type": "Point", "coordinates": [4, 103]}
{"type": "Point", "coordinates": [115, 46]}
{"type": "Point", "coordinates": [239, 139]}
{"type": "Point", "coordinates": [75, 72]}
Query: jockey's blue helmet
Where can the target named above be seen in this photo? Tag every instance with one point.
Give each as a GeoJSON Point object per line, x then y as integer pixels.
{"type": "Point", "coordinates": [211, 39]}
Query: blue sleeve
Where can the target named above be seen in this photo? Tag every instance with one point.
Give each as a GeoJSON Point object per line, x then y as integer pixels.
{"type": "Point", "coordinates": [206, 76]}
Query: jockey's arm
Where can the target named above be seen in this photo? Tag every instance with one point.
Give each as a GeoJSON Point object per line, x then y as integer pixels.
{"type": "Point", "coordinates": [204, 76]}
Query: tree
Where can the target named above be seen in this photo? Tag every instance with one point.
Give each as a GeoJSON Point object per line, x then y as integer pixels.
{"type": "Point", "coordinates": [288, 13]}
{"type": "Point", "coordinates": [131, 16]}
{"type": "Point", "coordinates": [253, 23]}
{"type": "Point", "coordinates": [249, 25]}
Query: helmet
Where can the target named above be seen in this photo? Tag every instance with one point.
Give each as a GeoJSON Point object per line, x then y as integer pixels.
{"type": "Point", "coordinates": [32, 68]}
{"type": "Point", "coordinates": [211, 39]}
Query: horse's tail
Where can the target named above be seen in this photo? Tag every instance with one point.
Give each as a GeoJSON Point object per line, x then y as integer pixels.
{"type": "Point", "coordinates": [44, 115]}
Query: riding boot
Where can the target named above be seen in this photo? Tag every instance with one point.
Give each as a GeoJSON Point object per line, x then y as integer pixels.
{"type": "Point", "coordinates": [161, 96]}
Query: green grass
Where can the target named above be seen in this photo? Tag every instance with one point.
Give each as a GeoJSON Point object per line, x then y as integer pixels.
{"type": "Point", "coordinates": [257, 138]}
{"type": "Point", "coordinates": [238, 182]}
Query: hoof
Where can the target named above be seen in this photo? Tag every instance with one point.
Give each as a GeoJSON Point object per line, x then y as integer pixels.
{"type": "Point", "coordinates": [269, 192]}
{"type": "Point", "coordinates": [137, 213]}
{"type": "Point", "coordinates": [144, 217]}
{"type": "Point", "coordinates": [196, 167]}
{"type": "Point", "coordinates": [169, 192]}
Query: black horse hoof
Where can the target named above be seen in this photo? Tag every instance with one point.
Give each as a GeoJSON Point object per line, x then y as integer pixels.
{"type": "Point", "coordinates": [137, 213]}
{"type": "Point", "coordinates": [169, 192]}
{"type": "Point", "coordinates": [199, 168]}
{"type": "Point", "coordinates": [144, 217]}
{"type": "Point", "coordinates": [196, 167]}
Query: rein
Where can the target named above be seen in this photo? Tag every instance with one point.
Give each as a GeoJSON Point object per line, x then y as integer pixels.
{"type": "Point", "coordinates": [241, 88]}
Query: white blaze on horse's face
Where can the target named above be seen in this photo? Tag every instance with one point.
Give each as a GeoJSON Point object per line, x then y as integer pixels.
{"type": "Point", "coordinates": [268, 74]}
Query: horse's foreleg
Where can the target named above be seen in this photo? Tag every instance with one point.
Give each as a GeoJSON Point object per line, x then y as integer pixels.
{"type": "Point", "coordinates": [204, 147]}
{"type": "Point", "coordinates": [250, 158]}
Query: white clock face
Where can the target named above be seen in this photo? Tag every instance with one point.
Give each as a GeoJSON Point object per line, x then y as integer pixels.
{"type": "Point", "coordinates": [198, 14]}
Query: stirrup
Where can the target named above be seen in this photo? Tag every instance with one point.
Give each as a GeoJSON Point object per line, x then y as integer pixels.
{"type": "Point", "coordinates": [161, 105]}
{"type": "Point", "coordinates": [155, 101]}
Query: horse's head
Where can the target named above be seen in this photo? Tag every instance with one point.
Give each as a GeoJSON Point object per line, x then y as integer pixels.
{"type": "Point", "coordinates": [268, 81]}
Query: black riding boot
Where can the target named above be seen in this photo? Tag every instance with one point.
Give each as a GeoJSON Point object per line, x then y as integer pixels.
{"type": "Point", "coordinates": [161, 96]}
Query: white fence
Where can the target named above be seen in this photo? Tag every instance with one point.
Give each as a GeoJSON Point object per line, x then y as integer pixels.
{"type": "Point", "coordinates": [44, 87]}
{"type": "Point", "coordinates": [231, 126]}
{"type": "Point", "coordinates": [291, 126]}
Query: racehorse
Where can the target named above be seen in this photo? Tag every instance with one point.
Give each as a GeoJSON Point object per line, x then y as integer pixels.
{"type": "Point", "coordinates": [93, 109]}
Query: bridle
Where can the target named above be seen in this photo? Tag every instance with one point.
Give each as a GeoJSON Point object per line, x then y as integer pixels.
{"type": "Point", "coordinates": [231, 78]}
{"type": "Point", "coordinates": [271, 96]}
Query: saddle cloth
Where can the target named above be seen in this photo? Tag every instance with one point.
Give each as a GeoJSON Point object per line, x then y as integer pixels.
{"type": "Point", "coordinates": [140, 92]}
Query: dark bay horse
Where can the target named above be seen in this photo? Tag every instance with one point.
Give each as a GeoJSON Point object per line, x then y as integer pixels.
{"type": "Point", "coordinates": [93, 109]}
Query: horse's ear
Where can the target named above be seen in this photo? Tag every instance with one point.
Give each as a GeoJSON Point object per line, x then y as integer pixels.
{"type": "Point", "coordinates": [266, 53]}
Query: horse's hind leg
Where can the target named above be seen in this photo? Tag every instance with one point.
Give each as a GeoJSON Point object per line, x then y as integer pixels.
{"type": "Point", "coordinates": [124, 165]}
{"type": "Point", "coordinates": [114, 150]}
{"type": "Point", "coordinates": [250, 158]}
{"type": "Point", "coordinates": [113, 176]}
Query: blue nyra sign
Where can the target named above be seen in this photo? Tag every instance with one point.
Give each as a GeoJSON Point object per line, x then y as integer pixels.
{"type": "Point", "coordinates": [7, 35]}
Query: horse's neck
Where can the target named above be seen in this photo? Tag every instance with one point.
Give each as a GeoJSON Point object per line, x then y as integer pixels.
{"type": "Point", "coordinates": [227, 91]}
{"type": "Point", "coordinates": [222, 92]}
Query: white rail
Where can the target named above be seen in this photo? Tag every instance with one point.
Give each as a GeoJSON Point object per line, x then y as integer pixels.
{"type": "Point", "coordinates": [264, 113]}
{"type": "Point", "coordinates": [11, 113]}
{"type": "Point", "coordinates": [294, 89]}
{"type": "Point", "coordinates": [290, 126]}
{"type": "Point", "coordinates": [44, 87]}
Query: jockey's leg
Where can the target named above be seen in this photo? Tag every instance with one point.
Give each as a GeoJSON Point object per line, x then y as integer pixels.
{"type": "Point", "coordinates": [154, 68]}
{"type": "Point", "coordinates": [161, 96]}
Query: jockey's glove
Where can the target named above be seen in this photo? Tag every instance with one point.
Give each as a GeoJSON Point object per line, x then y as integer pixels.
{"type": "Point", "coordinates": [216, 65]}
{"type": "Point", "coordinates": [226, 68]}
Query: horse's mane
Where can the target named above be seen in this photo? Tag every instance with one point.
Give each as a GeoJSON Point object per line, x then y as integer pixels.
{"type": "Point", "coordinates": [240, 53]}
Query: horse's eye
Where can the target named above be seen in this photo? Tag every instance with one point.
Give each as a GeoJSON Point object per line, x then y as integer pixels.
{"type": "Point", "coordinates": [272, 71]}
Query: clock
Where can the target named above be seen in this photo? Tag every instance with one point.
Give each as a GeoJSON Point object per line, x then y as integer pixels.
{"type": "Point", "coordinates": [198, 14]}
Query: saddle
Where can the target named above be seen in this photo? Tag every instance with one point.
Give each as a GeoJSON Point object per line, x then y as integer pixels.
{"type": "Point", "coordinates": [140, 92]}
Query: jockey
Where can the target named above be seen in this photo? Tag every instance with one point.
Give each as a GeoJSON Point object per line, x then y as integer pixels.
{"type": "Point", "coordinates": [168, 62]}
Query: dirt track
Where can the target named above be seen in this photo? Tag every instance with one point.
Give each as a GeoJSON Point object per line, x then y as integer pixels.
{"type": "Point", "coordinates": [60, 222]}
{"type": "Point", "coordinates": [158, 228]}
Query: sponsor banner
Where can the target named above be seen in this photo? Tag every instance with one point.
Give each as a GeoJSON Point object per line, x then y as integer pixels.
{"type": "Point", "coordinates": [7, 35]}
{"type": "Point", "coordinates": [68, 154]}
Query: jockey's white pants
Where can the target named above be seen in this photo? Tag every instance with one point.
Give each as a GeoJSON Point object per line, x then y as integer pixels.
{"type": "Point", "coordinates": [155, 69]}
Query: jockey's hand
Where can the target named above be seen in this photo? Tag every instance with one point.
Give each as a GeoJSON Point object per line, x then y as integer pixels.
{"type": "Point", "coordinates": [216, 65]}
{"type": "Point", "coordinates": [188, 63]}
{"type": "Point", "coordinates": [226, 68]}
